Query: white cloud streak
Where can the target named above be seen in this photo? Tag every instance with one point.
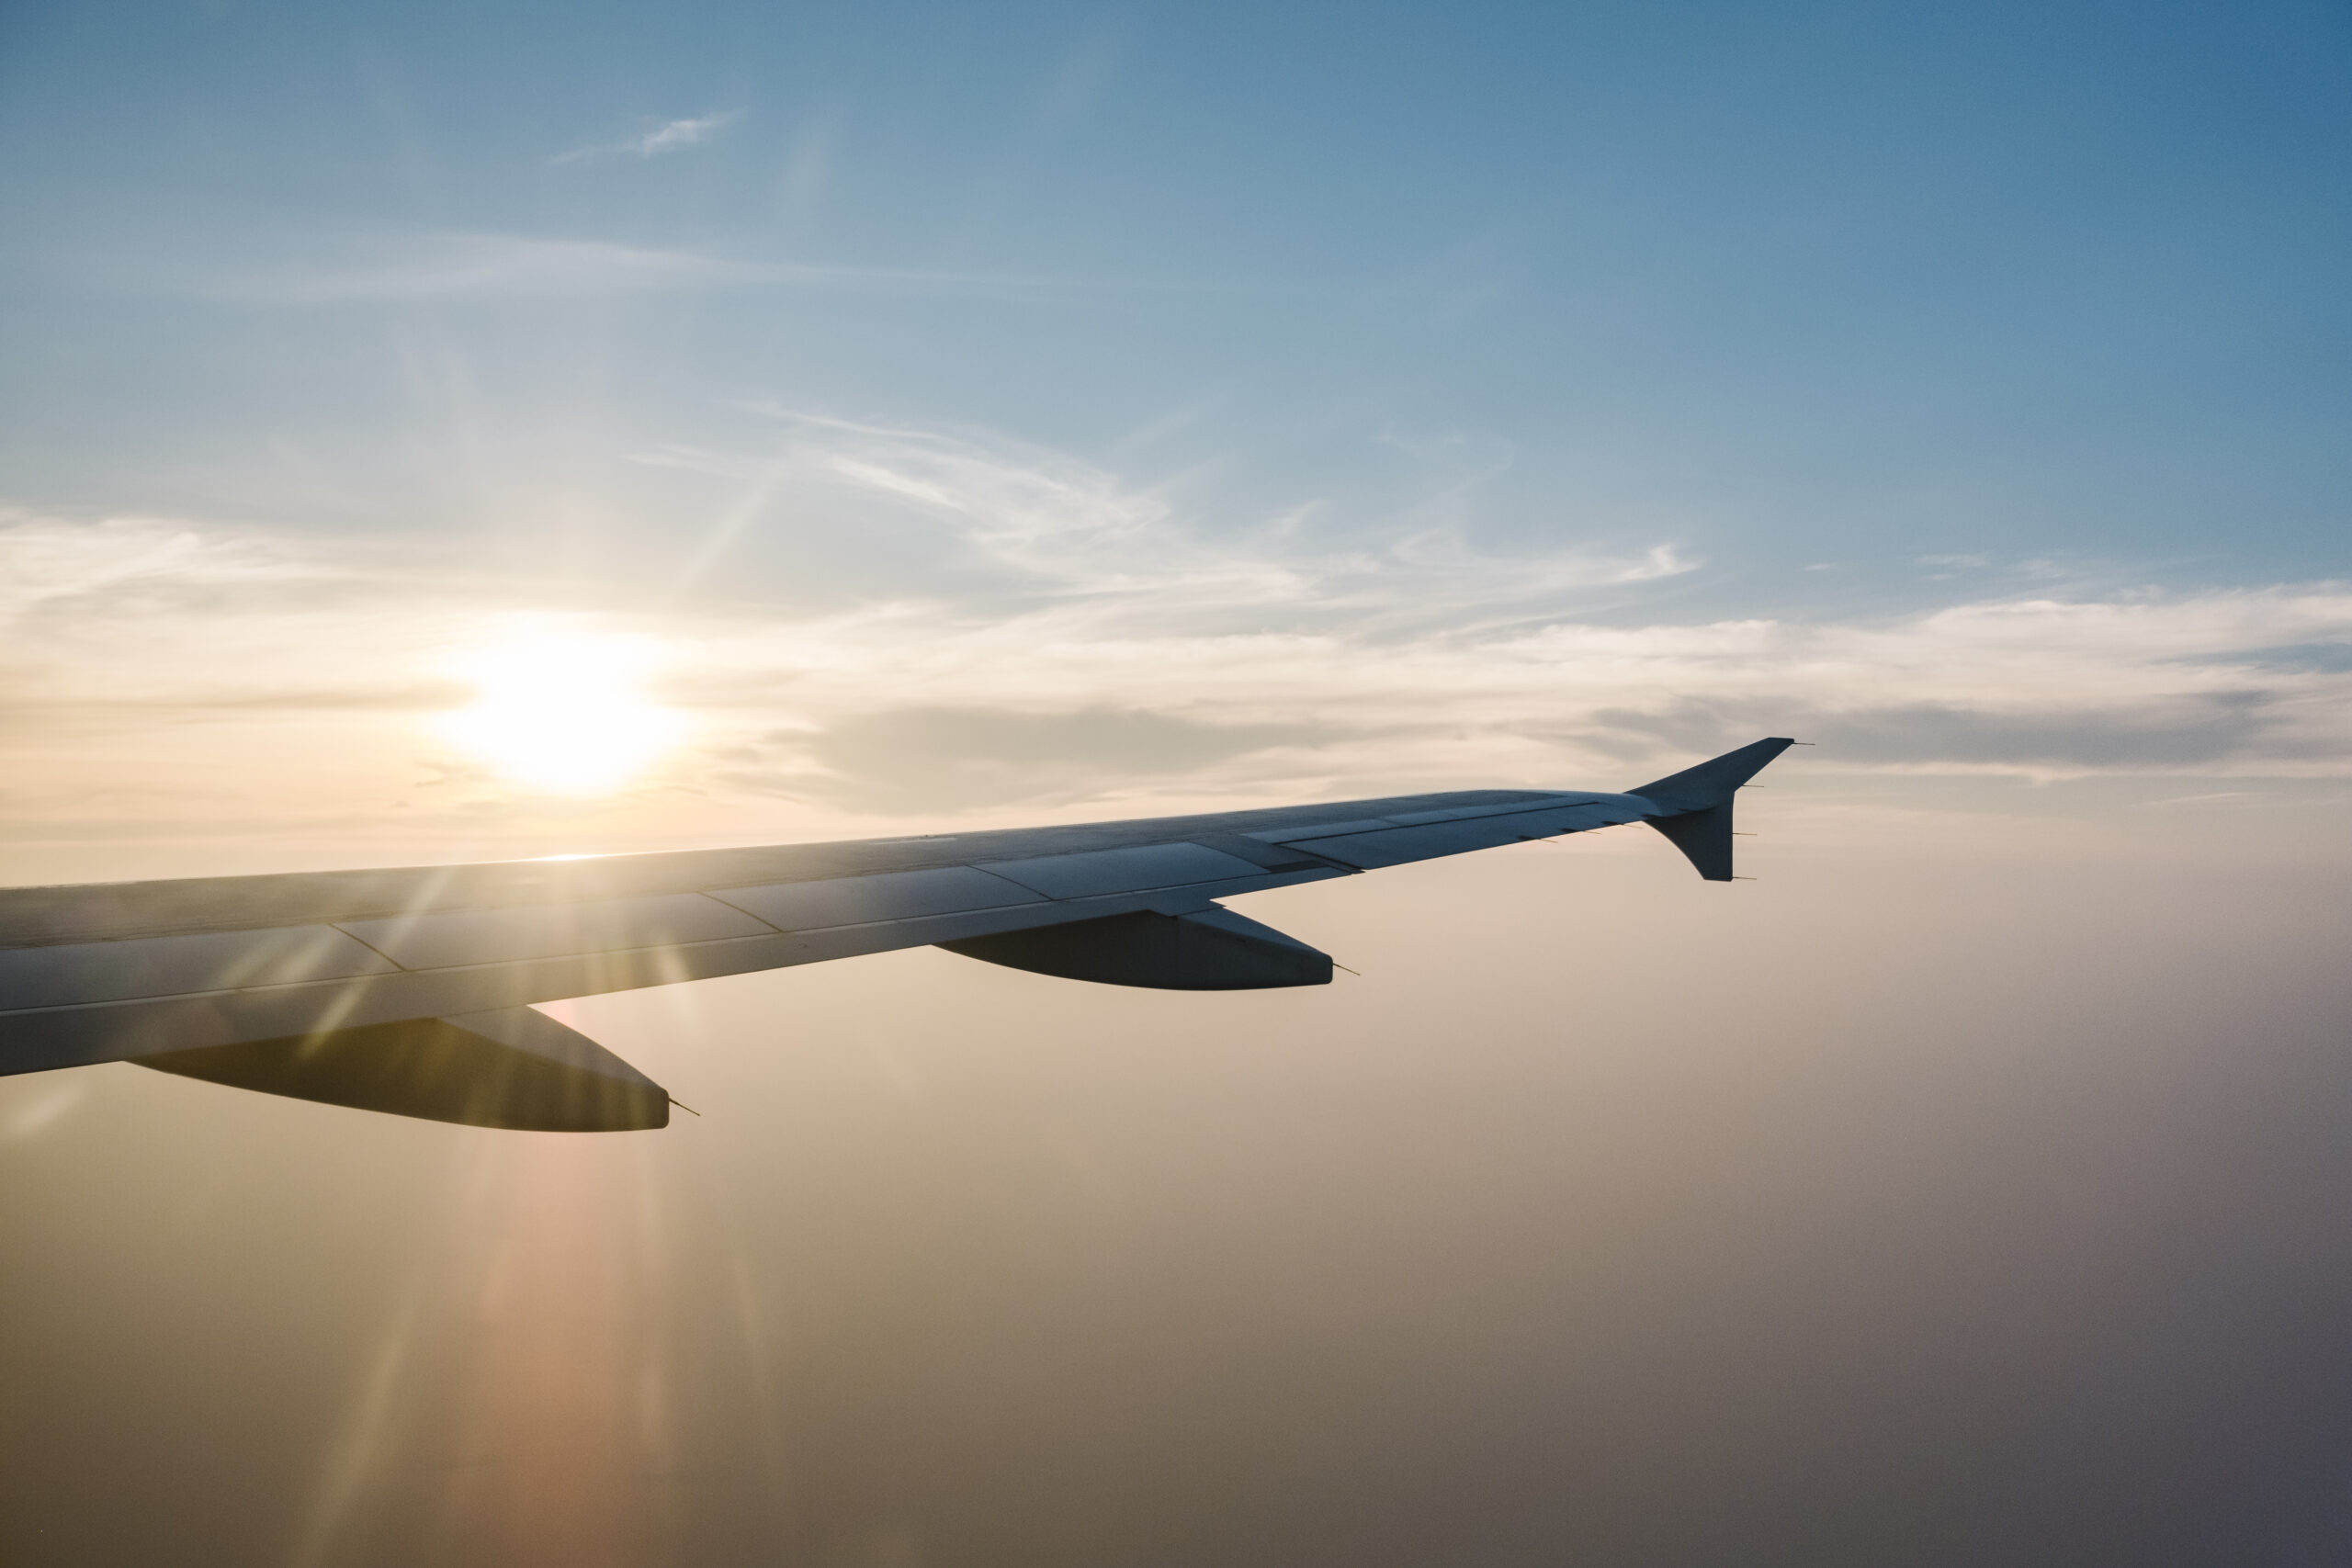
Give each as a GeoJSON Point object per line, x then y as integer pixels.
{"type": "Point", "coordinates": [1054, 529]}
{"type": "Point", "coordinates": [671, 136]}
{"type": "Point", "coordinates": [401, 266]}
{"type": "Point", "coordinates": [449, 266]}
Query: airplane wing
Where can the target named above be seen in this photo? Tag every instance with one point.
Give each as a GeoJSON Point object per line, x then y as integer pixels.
{"type": "Point", "coordinates": [409, 990]}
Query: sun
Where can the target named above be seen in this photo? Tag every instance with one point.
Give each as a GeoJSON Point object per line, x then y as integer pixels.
{"type": "Point", "coordinates": [564, 714]}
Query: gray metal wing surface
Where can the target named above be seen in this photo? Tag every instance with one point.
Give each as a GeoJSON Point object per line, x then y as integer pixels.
{"type": "Point", "coordinates": [409, 990]}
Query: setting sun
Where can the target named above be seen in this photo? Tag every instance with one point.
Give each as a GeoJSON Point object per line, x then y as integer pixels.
{"type": "Point", "coordinates": [564, 714]}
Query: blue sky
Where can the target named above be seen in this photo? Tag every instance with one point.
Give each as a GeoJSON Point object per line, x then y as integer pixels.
{"type": "Point", "coordinates": [1386, 326]}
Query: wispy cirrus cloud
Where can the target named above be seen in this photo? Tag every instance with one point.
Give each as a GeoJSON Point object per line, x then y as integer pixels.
{"type": "Point", "coordinates": [1050, 528]}
{"type": "Point", "coordinates": [670, 136]}
{"type": "Point", "coordinates": [396, 266]}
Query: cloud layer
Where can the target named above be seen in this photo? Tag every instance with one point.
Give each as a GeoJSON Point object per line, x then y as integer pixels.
{"type": "Point", "coordinates": [1060, 639]}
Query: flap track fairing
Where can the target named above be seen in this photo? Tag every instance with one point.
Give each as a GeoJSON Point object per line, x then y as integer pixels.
{"type": "Point", "coordinates": [511, 1067]}
{"type": "Point", "coordinates": [1206, 950]}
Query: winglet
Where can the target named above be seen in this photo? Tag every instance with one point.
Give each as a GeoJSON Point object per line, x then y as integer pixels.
{"type": "Point", "coordinates": [1697, 803]}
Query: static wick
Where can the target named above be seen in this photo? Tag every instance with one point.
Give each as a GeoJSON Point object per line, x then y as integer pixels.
{"type": "Point", "coordinates": [1743, 879]}
{"type": "Point", "coordinates": [1357, 973]}
{"type": "Point", "coordinates": [681, 1104]}
{"type": "Point", "coordinates": [1737, 834]}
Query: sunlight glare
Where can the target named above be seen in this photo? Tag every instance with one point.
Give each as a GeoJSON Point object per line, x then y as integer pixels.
{"type": "Point", "coordinates": [564, 713]}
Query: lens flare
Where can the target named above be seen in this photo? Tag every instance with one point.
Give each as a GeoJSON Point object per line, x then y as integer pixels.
{"type": "Point", "coordinates": [564, 714]}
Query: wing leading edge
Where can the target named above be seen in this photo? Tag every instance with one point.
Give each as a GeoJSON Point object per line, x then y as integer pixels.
{"type": "Point", "coordinates": [409, 990]}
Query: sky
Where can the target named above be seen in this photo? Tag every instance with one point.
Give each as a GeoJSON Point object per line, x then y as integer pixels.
{"type": "Point", "coordinates": [436, 431]}
{"type": "Point", "coordinates": [1089, 409]}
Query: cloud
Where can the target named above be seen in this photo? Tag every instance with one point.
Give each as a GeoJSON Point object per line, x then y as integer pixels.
{"type": "Point", "coordinates": [680, 133]}
{"type": "Point", "coordinates": [395, 267]}
{"type": "Point", "coordinates": [918, 759]}
{"type": "Point", "coordinates": [1052, 530]}
{"type": "Point", "coordinates": [2041, 690]}
{"type": "Point", "coordinates": [2329, 658]}
{"type": "Point", "coordinates": [1047, 634]}
{"type": "Point", "coordinates": [671, 136]}
{"type": "Point", "coordinates": [353, 267]}
{"type": "Point", "coordinates": [2156, 733]}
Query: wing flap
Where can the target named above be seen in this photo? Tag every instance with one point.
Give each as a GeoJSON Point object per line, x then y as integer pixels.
{"type": "Point", "coordinates": [447, 940]}
{"type": "Point", "coordinates": [886, 895]}
{"type": "Point", "coordinates": [173, 965]}
{"type": "Point", "coordinates": [1145, 868]}
{"type": "Point", "coordinates": [1397, 846]}
{"type": "Point", "coordinates": [1299, 835]}
{"type": "Point", "coordinates": [1452, 834]}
